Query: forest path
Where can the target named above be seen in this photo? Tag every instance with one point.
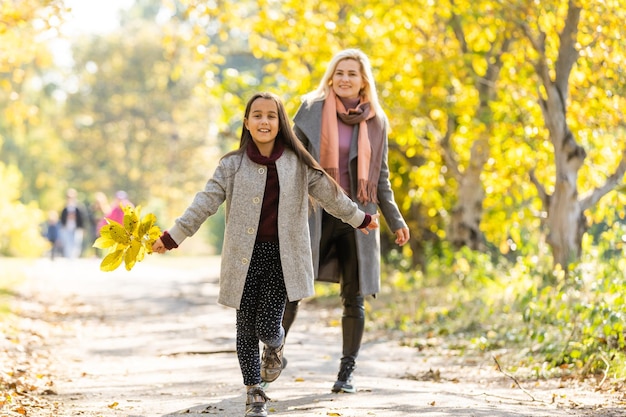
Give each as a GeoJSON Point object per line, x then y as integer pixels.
{"type": "Point", "coordinates": [153, 342]}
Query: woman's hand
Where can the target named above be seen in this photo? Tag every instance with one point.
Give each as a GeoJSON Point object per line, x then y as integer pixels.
{"type": "Point", "coordinates": [402, 236]}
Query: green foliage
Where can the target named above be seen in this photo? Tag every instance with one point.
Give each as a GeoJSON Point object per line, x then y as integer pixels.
{"type": "Point", "coordinates": [543, 324]}
{"type": "Point", "coordinates": [20, 233]}
{"type": "Point", "coordinates": [579, 325]}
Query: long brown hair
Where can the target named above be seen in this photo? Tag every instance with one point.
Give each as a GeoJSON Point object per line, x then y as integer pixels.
{"type": "Point", "coordinates": [285, 135]}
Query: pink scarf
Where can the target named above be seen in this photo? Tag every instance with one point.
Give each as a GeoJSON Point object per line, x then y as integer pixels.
{"type": "Point", "coordinates": [370, 141]}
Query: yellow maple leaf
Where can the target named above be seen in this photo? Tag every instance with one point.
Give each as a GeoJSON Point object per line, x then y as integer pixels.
{"type": "Point", "coordinates": [130, 257]}
{"type": "Point", "coordinates": [146, 223]}
{"type": "Point", "coordinates": [104, 242]}
{"type": "Point", "coordinates": [154, 233]}
{"type": "Point", "coordinates": [117, 232]}
{"type": "Point", "coordinates": [112, 260]}
{"type": "Point", "coordinates": [131, 218]}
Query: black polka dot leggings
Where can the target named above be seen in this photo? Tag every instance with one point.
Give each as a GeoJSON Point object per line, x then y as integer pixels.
{"type": "Point", "coordinates": [261, 312]}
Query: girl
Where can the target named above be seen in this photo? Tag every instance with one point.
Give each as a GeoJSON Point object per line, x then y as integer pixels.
{"type": "Point", "coordinates": [266, 257]}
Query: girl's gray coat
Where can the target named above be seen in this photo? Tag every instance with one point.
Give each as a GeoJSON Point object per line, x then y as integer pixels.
{"type": "Point", "coordinates": [240, 183]}
{"type": "Point", "coordinates": [308, 126]}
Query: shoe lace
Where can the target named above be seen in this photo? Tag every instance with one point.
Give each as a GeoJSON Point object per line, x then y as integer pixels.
{"type": "Point", "coordinates": [256, 392]}
{"type": "Point", "coordinates": [346, 371]}
{"type": "Point", "coordinates": [271, 358]}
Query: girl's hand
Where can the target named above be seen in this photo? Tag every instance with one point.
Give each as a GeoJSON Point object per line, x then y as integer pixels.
{"type": "Point", "coordinates": [373, 224]}
{"type": "Point", "coordinates": [158, 246]}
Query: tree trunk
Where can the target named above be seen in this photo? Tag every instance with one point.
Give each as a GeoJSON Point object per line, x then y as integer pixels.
{"type": "Point", "coordinates": [565, 218]}
{"type": "Point", "coordinates": [464, 227]}
{"type": "Point", "coordinates": [566, 221]}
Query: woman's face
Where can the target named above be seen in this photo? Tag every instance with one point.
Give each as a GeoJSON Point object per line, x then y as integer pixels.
{"type": "Point", "coordinates": [263, 124]}
{"type": "Point", "coordinates": [347, 79]}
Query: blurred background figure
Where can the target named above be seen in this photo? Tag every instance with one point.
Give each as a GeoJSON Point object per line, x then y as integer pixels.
{"type": "Point", "coordinates": [98, 209]}
{"type": "Point", "coordinates": [116, 213]}
{"type": "Point", "coordinates": [53, 232]}
{"type": "Point", "coordinates": [72, 226]}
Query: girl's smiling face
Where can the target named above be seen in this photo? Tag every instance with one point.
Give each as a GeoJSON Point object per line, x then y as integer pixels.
{"type": "Point", "coordinates": [347, 79]}
{"type": "Point", "coordinates": [263, 124]}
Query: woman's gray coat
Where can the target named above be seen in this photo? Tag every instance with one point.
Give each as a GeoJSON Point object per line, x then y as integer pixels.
{"type": "Point", "coordinates": [308, 127]}
{"type": "Point", "coordinates": [240, 183]}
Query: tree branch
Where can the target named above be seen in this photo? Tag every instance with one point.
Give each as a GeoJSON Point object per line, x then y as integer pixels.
{"type": "Point", "coordinates": [568, 54]}
{"type": "Point", "coordinates": [545, 197]}
{"type": "Point", "coordinates": [513, 378]}
{"type": "Point", "coordinates": [448, 156]}
{"type": "Point", "coordinates": [486, 85]}
{"type": "Point", "coordinates": [458, 31]}
{"type": "Point", "coordinates": [609, 185]}
{"type": "Point", "coordinates": [539, 45]}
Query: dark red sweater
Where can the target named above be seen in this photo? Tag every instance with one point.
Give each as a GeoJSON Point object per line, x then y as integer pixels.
{"type": "Point", "coordinates": [268, 223]}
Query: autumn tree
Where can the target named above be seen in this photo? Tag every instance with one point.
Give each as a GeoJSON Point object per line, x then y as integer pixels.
{"type": "Point", "coordinates": [24, 135]}
{"type": "Point", "coordinates": [25, 57]}
{"type": "Point", "coordinates": [437, 70]}
{"type": "Point", "coordinates": [139, 118]}
{"type": "Point", "coordinates": [455, 81]}
{"type": "Point", "coordinates": [577, 46]}
{"type": "Point", "coordinates": [483, 38]}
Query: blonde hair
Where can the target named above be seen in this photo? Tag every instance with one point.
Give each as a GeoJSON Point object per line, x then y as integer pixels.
{"type": "Point", "coordinates": [369, 85]}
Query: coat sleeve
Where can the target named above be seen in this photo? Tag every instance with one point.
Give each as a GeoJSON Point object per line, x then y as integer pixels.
{"type": "Point", "coordinates": [308, 125]}
{"type": "Point", "coordinates": [204, 204]}
{"type": "Point", "coordinates": [334, 200]}
{"type": "Point", "coordinates": [385, 194]}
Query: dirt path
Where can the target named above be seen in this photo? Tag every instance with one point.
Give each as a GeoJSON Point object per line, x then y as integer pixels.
{"type": "Point", "coordinates": [153, 342]}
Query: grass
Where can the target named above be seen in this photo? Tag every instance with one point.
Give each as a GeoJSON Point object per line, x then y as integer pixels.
{"type": "Point", "coordinates": [11, 275]}
{"type": "Point", "coordinates": [537, 323]}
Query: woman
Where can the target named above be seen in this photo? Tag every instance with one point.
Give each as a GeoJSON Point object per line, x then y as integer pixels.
{"type": "Point", "coordinates": [73, 222]}
{"type": "Point", "coordinates": [266, 259]}
{"type": "Point", "coordinates": [343, 126]}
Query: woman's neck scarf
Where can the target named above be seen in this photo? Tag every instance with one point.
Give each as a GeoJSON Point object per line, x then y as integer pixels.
{"type": "Point", "coordinates": [370, 141]}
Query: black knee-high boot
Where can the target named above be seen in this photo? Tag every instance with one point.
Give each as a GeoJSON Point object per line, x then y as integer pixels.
{"type": "Point", "coordinates": [352, 334]}
{"type": "Point", "coordinates": [352, 325]}
{"type": "Point", "coordinates": [352, 329]}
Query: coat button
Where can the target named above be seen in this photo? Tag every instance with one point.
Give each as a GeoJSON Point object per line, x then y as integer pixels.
{"type": "Point", "coordinates": [244, 261]}
{"type": "Point", "coordinates": [261, 170]}
{"type": "Point", "coordinates": [250, 230]}
{"type": "Point", "coordinates": [256, 200]}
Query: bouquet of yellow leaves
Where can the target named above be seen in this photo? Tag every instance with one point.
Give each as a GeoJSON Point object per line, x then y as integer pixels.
{"type": "Point", "coordinates": [128, 242]}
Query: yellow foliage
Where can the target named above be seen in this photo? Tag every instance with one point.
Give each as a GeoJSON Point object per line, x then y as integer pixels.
{"type": "Point", "coordinates": [19, 223]}
{"type": "Point", "coordinates": [431, 61]}
{"type": "Point", "coordinates": [127, 243]}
